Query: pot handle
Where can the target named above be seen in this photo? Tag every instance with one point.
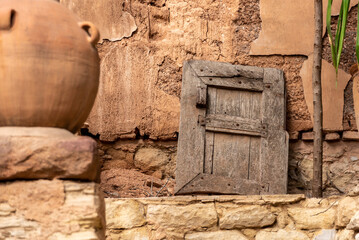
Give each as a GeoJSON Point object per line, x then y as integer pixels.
{"type": "Point", "coordinates": [92, 32]}
{"type": "Point", "coordinates": [6, 18]}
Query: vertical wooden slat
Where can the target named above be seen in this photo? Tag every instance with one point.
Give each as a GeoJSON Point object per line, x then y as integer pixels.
{"type": "Point", "coordinates": [275, 146]}
{"type": "Point", "coordinates": [211, 109]}
{"type": "Point", "coordinates": [231, 155]}
{"type": "Point", "coordinates": [190, 154]}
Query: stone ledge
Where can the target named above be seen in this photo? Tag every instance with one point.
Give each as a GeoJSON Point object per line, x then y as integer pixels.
{"type": "Point", "coordinates": [37, 156]}
{"type": "Point", "coordinates": [51, 209]}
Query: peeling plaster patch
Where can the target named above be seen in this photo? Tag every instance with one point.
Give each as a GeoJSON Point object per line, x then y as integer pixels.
{"type": "Point", "coordinates": [334, 96]}
{"type": "Point", "coordinates": [288, 28]}
{"type": "Point", "coordinates": [108, 16]}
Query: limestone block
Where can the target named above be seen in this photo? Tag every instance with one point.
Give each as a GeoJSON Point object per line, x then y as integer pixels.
{"type": "Point", "coordinates": [333, 95]}
{"type": "Point", "coordinates": [124, 214]}
{"type": "Point", "coordinates": [326, 234]}
{"type": "Point", "coordinates": [346, 210]}
{"type": "Point", "coordinates": [345, 235]}
{"type": "Point", "coordinates": [282, 24]}
{"type": "Point", "coordinates": [281, 234]}
{"type": "Point", "coordinates": [54, 209]}
{"type": "Point", "coordinates": [108, 16]}
{"type": "Point", "coordinates": [150, 159]}
{"type": "Point", "coordinates": [313, 218]}
{"type": "Point", "coordinates": [218, 235]}
{"type": "Point", "coordinates": [354, 222]}
{"type": "Point", "coordinates": [189, 217]}
{"type": "Point", "coordinates": [36, 155]}
{"type": "Point", "coordinates": [141, 233]}
{"type": "Point", "coordinates": [282, 199]}
{"type": "Point", "coordinates": [235, 216]}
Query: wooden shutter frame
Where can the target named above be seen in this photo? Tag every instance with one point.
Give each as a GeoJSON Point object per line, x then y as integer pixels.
{"type": "Point", "coordinates": [190, 174]}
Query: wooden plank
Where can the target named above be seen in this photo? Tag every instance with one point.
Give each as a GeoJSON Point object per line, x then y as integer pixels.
{"type": "Point", "coordinates": [201, 101]}
{"type": "Point", "coordinates": [208, 183]}
{"type": "Point", "coordinates": [254, 167]}
{"type": "Point", "coordinates": [256, 104]}
{"type": "Point", "coordinates": [275, 145]}
{"type": "Point", "coordinates": [231, 155]}
{"type": "Point", "coordinates": [228, 102]}
{"type": "Point", "coordinates": [190, 153]}
{"type": "Point", "coordinates": [209, 141]}
{"type": "Point", "coordinates": [243, 83]}
{"type": "Point", "coordinates": [220, 69]}
{"type": "Point", "coordinates": [237, 125]}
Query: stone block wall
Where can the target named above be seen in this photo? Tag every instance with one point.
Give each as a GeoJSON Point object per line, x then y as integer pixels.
{"type": "Point", "coordinates": [279, 217]}
{"type": "Point", "coordinates": [51, 210]}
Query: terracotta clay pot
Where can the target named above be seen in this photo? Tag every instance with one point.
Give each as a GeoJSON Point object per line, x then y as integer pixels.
{"type": "Point", "coordinates": [49, 66]}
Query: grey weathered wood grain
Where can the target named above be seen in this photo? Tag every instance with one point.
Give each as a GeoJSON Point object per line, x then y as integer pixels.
{"type": "Point", "coordinates": [221, 69]}
{"type": "Point", "coordinates": [238, 143]}
{"type": "Point", "coordinates": [231, 155]}
{"type": "Point", "coordinates": [209, 183]}
{"type": "Point", "coordinates": [201, 95]}
{"type": "Point", "coordinates": [209, 141]}
{"type": "Point", "coordinates": [243, 83]}
{"type": "Point", "coordinates": [275, 145]}
{"type": "Point", "coordinates": [190, 154]}
{"type": "Point", "coordinates": [242, 125]}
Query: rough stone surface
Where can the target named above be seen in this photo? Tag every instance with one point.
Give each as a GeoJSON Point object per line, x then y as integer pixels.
{"type": "Point", "coordinates": [218, 235]}
{"type": "Point", "coordinates": [340, 167]}
{"type": "Point", "coordinates": [313, 218]}
{"type": "Point", "coordinates": [281, 235]}
{"type": "Point", "coordinates": [191, 217]}
{"type": "Point", "coordinates": [54, 209]}
{"type": "Point", "coordinates": [148, 159]}
{"type": "Point", "coordinates": [354, 222]}
{"type": "Point", "coordinates": [333, 94]}
{"type": "Point", "coordinates": [36, 157]}
{"type": "Point", "coordinates": [245, 217]}
{"type": "Point", "coordinates": [345, 235]}
{"type": "Point", "coordinates": [346, 210]}
{"type": "Point", "coordinates": [141, 233]}
{"type": "Point", "coordinates": [124, 214]}
{"type": "Point", "coordinates": [326, 234]}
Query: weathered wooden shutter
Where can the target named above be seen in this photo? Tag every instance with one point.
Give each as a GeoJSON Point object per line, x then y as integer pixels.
{"type": "Point", "coordinates": [232, 137]}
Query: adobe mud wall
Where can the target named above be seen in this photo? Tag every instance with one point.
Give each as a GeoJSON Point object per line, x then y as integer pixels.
{"type": "Point", "coordinates": [144, 44]}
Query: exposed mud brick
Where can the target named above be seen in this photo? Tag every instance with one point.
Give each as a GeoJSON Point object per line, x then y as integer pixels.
{"type": "Point", "coordinates": [34, 154]}
{"type": "Point", "coordinates": [293, 135]}
{"type": "Point", "coordinates": [351, 135]}
{"type": "Point", "coordinates": [308, 136]}
{"type": "Point", "coordinates": [332, 137]}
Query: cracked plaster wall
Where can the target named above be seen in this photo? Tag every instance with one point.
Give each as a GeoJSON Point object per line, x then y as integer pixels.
{"type": "Point", "coordinates": [144, 44]}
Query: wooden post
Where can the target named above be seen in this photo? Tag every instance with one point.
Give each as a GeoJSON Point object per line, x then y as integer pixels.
{"type": "Point", "coordinates": [317, 101]}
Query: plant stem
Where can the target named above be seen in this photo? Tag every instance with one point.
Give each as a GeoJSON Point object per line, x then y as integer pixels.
{"type": "Point", "coordinates": [317, 101]}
